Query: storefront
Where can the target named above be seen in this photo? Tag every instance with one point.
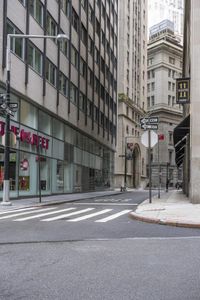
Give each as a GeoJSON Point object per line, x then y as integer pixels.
{"type": "Point", "coordinates": [47, 154]}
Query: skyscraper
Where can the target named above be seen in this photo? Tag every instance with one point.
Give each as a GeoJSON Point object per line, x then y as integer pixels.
{"type": "Point", "coordinates": [65, 126]}
{"type": "Point", "coordinates": [132, 57]}
{"type": "Point", "coordinates": [173, 10]}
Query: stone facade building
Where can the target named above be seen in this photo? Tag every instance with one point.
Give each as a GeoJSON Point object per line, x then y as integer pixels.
{"type": "Point", "coordinates": [66, 92]}
{"type": "Point", "coordinates": [132, 93]}
{"type": "Point", "coordinates": [164, 65]}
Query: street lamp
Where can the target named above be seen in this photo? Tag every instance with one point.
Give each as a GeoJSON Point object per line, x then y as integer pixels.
{"type": "Point", "coordinates": [6, 182]}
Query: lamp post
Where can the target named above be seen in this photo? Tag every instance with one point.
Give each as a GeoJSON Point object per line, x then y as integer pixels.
{"type": "Point", "coordinates": [6, 182]}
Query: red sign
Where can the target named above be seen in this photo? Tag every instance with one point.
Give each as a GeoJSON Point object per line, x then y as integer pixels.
{"type": "Point", "coordinates": [161, 137]}
{"type": "Point", "coordinates": [26, 136]}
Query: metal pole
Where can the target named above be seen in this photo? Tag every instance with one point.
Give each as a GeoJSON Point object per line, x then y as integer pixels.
{"type": "Point", "coordinates": [149, 154]}
{"type": "Point", "coordinates": [6, 182]}
{"type": "Point", "coordinates": [167, 180]}
{"type": "Point", "coordinates": [159, 175]}
{"type": "Point", "coordinates": [125, 166]}
{"type": "Point", "coordinates": [39, 178]}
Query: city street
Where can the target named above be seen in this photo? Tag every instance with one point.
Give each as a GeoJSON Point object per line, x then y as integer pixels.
{"type": "Point", "coordinates": [91, 249]}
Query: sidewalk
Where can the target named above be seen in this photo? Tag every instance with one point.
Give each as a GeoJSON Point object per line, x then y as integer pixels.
{"type": "Point", "coordinates": [56, 199]}
{"type": "Point", "coordinates": [173, 208]}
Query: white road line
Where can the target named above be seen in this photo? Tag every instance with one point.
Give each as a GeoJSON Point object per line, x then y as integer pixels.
{"type": "Point", "coordinates": [114, 216]}
{"type": "Point", "coordinates": [90, 215]}
{"type": "Point", "coordinates": [67, 215]}
{"type": "Point", "coordinates": [104, 204]}
{"type": "Point", "coordinates": [17, 209]}
{"type": "Point", "coordinates": [24, 213]}
{"type": "Point", "coordinates": [44, 214]}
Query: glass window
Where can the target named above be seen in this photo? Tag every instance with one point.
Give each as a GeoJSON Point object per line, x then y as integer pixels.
{"type": "Point", "coordinates": [51, 26]}
{"type": "Point", "coordinates": [58, 129]}
{"type": "Point", "coordinates": [28, 114]}
{"type": "Point", "coordinates": [36, 10]}
{"type": "Point", "coordinates": [27, 174]}
{"type": "Point", "coordinates": [57, 176]}
{"type": "Point", "coordinates": [63, 84]}
{"type": "Point", "coordinates": [17, 44]}
{"type": "Point", "coordinates": [35, 59]}
{"type": "Point", "coordinates": [44, 124]}
{"type": "Point", "coordinates": [51, 72]}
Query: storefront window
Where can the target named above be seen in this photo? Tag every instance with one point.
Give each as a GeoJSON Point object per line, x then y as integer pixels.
{"type": "Point", "coordinates": [58, 129]}
{"type": "Point", "coordinates": [27, 174]}
{"type": "Point", "coordinates": [28, 114]}
{"type": "Point", "coordinates": [44, 173]}
{"type": "Point", "coordinates": [44, 124]}
{"type": "Point", "coordinates": [57, 176]}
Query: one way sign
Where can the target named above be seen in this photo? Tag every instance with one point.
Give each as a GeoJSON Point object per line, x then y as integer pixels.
{"type": "Point", "coordinates": [150, 120]}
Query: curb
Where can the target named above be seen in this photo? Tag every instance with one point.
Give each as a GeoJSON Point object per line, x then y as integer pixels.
{"type": "Point", "coordinates": [135, 216]}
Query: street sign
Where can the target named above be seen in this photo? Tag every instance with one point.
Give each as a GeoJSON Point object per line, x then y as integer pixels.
{"type": "Point", "coordinates": [3, 106]}
{"type": "Point", "coordinates": [9, 112]}
{"type": "Point", "coordinates": [150, 120]}
{"type": "Point", "coordinates": [13, 105]}
{"type": "Point", "coordinates": [145, 139]}
{"type": "Point", "coordinates": [151, 126]}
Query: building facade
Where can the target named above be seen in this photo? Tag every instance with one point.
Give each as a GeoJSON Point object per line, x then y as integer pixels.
{"type": "Point", "coordinates": [63, 135]}
{"type": "Point", "coordinates": [130, 159]}
{"type": "Point", "coordinates": [164, 65]}
{"type": "Point", "coordinates": [190, 138]}
{"type": "Point", "coordinates": [173, 10]}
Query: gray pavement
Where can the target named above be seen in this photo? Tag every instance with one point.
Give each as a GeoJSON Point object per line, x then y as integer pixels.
{"type": "Point", "coordinates": [56, 199]}
{"type": "Point", "coordinates": [173, 208]}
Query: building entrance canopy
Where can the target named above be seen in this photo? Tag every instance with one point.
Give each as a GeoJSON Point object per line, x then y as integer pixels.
{"type": "Point", "coordinates": [180, 134]}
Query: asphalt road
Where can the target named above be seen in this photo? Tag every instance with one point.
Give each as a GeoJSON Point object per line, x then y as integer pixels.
{"type": "Point", "coordinates": [93, 259]}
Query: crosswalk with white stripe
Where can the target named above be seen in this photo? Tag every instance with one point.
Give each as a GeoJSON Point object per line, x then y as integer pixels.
{"type": "Point", "coordinates": [70, 214]}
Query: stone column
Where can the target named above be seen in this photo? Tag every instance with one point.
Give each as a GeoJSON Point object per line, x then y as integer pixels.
{"type": "Point", "coordinates": [195, 103]}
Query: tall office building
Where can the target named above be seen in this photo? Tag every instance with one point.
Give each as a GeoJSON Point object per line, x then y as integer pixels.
{"type": "Point", "coordinates": [65, 127]}
{"type": "Point", "coordinates": [164, 65]}
{"type": "Point", "coordinates": [132, 57]}
{"type": "Point", "coordinates": [173, 10]}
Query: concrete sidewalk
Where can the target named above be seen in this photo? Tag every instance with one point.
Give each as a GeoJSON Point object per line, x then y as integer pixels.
{"type": "Point", "coordinates": [173, 208]}
{"type": "Point", "coordinates": [56, 199]}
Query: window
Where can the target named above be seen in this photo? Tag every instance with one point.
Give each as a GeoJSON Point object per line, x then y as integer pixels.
{"type": "Point", "coordinates": [65, 7]}
{"type": "Point", "coordinates": [83, 35]}
{"type": "Point", "coordinates": [51, 26]}
{"type": "Point", "coordinates": [50, 72]}
{"type": "Point", "coordinates": [74, 57]}
{"type": "Point", "coordinates": [170, 138]}
{"type": "Point", "coordinates": [82, 68]}
{"type": "Point", "coordinates": [73, 93]}
{"type": "Point", "coordinates": [84, 4]}
{"type": "Point", "coordinates": [148, 101]}
{"type": "Point", "coordinates": [153, 86]}
{"type": "Point", "coordinates": [75, 20]}
{"type": "Point", "coordinates": [152, 100]}
{"type": "Point", "coordinates": [169, 100]}
{"type": "Point", "coordinates": [63, 84]}
{"type": "Point", "coordinates": [172, 60]}
{"type": "Point", "coordinates": [35, 58]}
{"type": "Point", "coordinates": [64, 47]}
{"type": "Point", "coordinates": [23, 2]}
{"type": "Point", "coordinates": [17, 45]}
{"type": "Point", "coordinates": [91, 14]}
{"type": "Point", "coordinates": [173, 87]}
{"type": "Point", "coordinates": [169, 86]}
{"type": "Point", "coordinates": [169, 73]}
{"type": "Point", "coordinates": [36, 10]}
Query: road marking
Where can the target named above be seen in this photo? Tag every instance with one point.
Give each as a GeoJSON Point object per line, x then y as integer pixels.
{"type": "Point", "coordinates": [90, 215]}
{"type": "Point", "coordinates": [67, 215]}
{"type": "Point", "coordinates": [24, 213]}
{"type": "Point", "coordinates": [104, 204]}
{"type": "Point", "coordinates": [18, 209]}
{"type": "Point", "coordinates": [44, 214]}
{"type": "Point", "coordinates": [114, 216]}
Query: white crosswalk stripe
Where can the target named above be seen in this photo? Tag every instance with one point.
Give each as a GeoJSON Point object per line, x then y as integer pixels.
{"type": "Point", "coordinates": [68, 215]}
{"type": "Point", "coordinates": [44, 214]}
{"type": "Point", "coordinates": [24, 213]}
{"type": "Point", "coordinates": [18, 210]}
{"type": "Point", "coordinates": [90, 215]}
{"type": "Point", "coordinates": [114, 216]}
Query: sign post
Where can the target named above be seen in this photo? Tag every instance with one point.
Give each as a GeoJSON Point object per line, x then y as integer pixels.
{"type": "Point", "coordinates": [149, 158]}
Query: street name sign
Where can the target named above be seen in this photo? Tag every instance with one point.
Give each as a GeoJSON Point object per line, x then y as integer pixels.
{"type": "Point", "coordinates": [150, 120]}
{"type": "Point", "coordinates": [13, 105]}
{"type": "Point", "coordinates": [151, 126]}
